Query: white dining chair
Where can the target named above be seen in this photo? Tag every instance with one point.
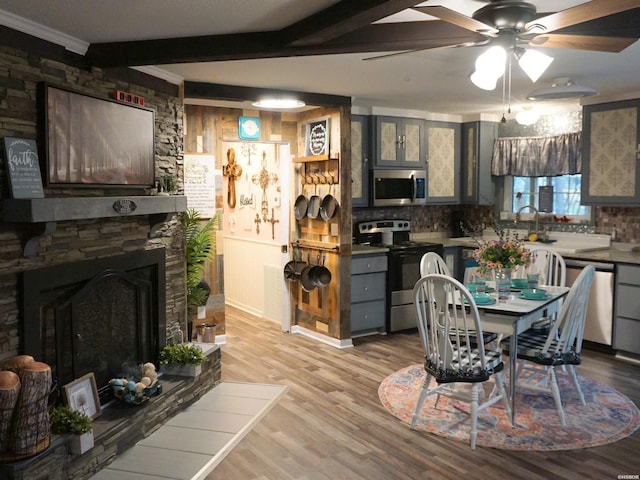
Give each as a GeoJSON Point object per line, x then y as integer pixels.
{"type": "Point", "coordinates": [553, 272]}
{"type": "Point", "coordinates": [452, 357]}
{"type": "Point", "coordinates": [431, 262]}
{"type": "Point", "coordinates": [539, 354]}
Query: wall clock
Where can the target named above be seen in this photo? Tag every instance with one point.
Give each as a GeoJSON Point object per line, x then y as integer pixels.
{"type": "Point", "coordinates": [249, 128]}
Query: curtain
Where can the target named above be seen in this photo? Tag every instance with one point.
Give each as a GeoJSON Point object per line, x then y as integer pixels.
{"type": "Point", "coordinates": [537, 156]}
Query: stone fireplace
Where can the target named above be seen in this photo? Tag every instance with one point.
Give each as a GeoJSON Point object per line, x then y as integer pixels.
{"type": "Point", "coordinates": [92, 315]}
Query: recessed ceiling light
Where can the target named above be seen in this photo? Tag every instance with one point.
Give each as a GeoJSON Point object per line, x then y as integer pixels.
{"type": "Point", "coordinates": [282, 103]}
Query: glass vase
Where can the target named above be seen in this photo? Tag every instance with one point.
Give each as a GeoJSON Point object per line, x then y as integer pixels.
{"type": "Point", "coordinates": [502, 278]}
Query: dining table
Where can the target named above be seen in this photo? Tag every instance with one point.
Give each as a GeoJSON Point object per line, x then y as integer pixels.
{"type": "Point", "coordinates": [514, 316]}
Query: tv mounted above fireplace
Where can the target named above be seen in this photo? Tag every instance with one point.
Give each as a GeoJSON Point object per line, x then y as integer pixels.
{"type": "Point", "coordinates": [88, 141]}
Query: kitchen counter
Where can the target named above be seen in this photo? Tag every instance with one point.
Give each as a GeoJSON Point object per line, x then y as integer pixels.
{"type": "Point", "coordinates": [617, 253]}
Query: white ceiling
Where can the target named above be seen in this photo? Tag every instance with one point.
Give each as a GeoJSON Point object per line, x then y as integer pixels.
{"type": "Point", "coordinates": [429, 81]}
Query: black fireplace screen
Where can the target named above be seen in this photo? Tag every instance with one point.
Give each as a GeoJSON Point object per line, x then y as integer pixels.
{"type": "Point", "coordinates": [93, 315]}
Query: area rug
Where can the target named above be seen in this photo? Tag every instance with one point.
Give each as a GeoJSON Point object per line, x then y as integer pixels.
{"type": "Point", "coordinates": [608, 416]}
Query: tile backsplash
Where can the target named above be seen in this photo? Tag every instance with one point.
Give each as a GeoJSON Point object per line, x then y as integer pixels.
{"type": "Point", "coordinates": [625, 221]}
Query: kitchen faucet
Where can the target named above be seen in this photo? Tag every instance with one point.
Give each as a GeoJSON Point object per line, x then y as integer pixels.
{"type": "Point", "coordinates": [536, 216]}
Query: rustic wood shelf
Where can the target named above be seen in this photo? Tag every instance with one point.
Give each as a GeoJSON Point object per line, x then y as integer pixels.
{"type": "Point", "coordinates": [42, 214]}
{"type": "Point", "coordinates": [312, 158]}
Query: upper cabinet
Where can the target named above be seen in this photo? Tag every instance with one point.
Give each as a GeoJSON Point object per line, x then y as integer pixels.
{"type": "Point", "coordinates": [610, 154]}
{"type": "Point", "coordinates": [477, 151]}
{"type": "Point", "coordinates": [443, 162]}
{"type": "Point", "coordinates": [360, 155]}
{"type": "Point", "coordinates": [399, 142]}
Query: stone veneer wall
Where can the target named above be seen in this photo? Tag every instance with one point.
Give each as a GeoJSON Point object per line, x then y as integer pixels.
{"type": "Point", "coordinates": [20, 71]}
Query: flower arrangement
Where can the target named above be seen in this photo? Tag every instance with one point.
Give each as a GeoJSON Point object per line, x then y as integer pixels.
{"type": "Point", "coordinates": [506, 252]}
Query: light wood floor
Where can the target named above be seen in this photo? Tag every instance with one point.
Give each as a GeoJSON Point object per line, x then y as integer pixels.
{"type": "Point", "coordinates": [331, 424]}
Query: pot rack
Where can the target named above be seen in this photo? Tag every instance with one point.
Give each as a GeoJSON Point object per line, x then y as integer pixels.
{"type": "Point", "coordinates": [324, 247]}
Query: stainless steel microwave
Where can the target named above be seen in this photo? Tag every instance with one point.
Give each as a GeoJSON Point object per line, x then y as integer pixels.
{"type": "Point", "coordinates": [398, 187]}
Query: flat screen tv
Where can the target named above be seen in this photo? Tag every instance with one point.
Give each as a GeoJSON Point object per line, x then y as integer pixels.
{"type": "Point", "coordinates": [89, 141]}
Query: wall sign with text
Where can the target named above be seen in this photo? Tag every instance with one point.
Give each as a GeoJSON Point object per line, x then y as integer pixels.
{"type": "Point", "coordinates": [23, 167]}
{"type": "Point", "coordinates": [317, 137]}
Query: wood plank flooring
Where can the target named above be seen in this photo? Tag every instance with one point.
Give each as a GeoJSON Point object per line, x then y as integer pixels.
{"type": "Point", "coordinates": [331, 424]}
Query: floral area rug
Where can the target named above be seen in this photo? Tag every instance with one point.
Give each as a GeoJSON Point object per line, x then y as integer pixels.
{"type": "Point", "coordinates": [608, 416]}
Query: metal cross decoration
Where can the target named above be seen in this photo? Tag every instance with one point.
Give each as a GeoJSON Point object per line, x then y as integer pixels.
{"type": "Point", "coordinates": [264, 179]}
{"type": "Point", "coordinates": [232, 171]}
{"type": "Point", "coordinates": [257, 221]}
{"type": "Point", "coordinates": [273, 222]}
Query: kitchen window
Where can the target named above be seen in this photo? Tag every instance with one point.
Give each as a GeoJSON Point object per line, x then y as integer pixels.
{"type": "Point", "coordinates": [521, 191]}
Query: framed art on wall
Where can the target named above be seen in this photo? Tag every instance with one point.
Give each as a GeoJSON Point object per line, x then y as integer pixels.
{"type": "Point", "coordinates": [82, 395]}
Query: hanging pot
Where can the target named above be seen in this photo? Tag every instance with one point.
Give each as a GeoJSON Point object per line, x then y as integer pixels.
{"type": "Point", "coordinates": [300, 207]}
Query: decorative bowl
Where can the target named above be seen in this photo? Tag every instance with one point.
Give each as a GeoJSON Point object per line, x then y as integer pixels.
{"type": "Point", "coordinates": [535, 293]}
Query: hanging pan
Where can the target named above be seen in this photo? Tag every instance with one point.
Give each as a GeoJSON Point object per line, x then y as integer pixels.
{"type": "Point", "coordinates": [320, 275]}
{"type": "Point", "coordinates": [293, 268]}
{"type": "Point", "coordinates": [300, 207]}
{"type": "Point", "coordinates": [306, 282]}
{"type": "Point", "coordinates": [313, 209]}
{"type": "Point", "coordinates": [329, 204]}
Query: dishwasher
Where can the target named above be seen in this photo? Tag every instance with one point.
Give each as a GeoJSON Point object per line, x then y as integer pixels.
{"type": "Point", "coordinates": [599, 323]}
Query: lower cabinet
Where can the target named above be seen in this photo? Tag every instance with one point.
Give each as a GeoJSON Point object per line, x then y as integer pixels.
{"type": "Point", "coordinates": [368, 293]}
{"type": "Point", "coordinates": [626, 328]}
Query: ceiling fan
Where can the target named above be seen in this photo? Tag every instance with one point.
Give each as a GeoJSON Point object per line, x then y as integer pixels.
{"type": "Point", "coordinates": [514, 22]}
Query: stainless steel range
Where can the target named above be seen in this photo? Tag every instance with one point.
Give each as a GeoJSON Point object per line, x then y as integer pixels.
{"type": "Point", "coordinates": [404, 266]}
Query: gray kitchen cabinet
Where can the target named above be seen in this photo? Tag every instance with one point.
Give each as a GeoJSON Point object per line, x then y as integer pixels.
{"type": "Point", "coordinates": [626, 327]}
{"type": "Point", "coordinates": [360, 155]}
{"type": "Point", "coordinates": [443, 162]}
{"type": "Point", "coordinates": [610, 154]}
{"type": "Point", "coordinates": [398, 142]}
{"type": "Point", "coordinates": [477, 186]}
{"type": "Point", "coordinates": [368, 293]}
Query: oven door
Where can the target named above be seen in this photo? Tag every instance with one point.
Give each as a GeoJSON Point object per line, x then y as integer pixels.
{"type": "Point", "coordinates": [404, 272]}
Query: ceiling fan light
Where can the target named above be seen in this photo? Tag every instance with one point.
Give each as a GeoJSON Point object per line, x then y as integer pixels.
{"type": "Point", "coordinates": [484, 80]}
{"type": "Point", "coordinates": [279, 103]}
{"type": "Point", "coordinates": [534, 63]}
{"type": "Point", "coordinates": [527, 117]}
{"type": "Point", "coordinates": [493, 60]}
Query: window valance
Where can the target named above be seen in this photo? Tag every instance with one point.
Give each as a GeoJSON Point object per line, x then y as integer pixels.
{"type": "Point", "coordinates": [547, 156]}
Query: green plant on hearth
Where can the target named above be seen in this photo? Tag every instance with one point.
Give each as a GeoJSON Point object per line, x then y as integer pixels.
{"type": "Point", "coordinates": [66, 420]}
{"type": "Point", "coordinates": [181, 354]}
{"type": "Point", "coordinates": [200, 248]}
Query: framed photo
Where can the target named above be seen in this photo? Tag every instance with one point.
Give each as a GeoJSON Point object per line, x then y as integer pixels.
{"type": "Point", "coordinates": [82, 395]}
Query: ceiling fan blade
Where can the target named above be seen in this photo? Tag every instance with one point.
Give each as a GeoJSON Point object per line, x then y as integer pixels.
{"type": "Point", "coordinates": [458, 45]}
{"type": "Point", "coordinates": [459, 19]}
{"type": "Point", "coordinates": [583, 42]}
{"type": "Point", "coordinates": [580, 13]}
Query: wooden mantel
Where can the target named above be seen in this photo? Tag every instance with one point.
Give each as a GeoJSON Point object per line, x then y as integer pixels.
{"type": "Point", "coordinates": [44, 213]}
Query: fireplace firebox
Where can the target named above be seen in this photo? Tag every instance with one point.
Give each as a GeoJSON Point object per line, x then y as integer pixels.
{"type": "Point", "coordinates": [93, 315]}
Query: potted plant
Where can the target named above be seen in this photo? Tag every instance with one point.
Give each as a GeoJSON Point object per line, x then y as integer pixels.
{"type": "Point", "coordinates": [65, 420]}
{"type": "Point", "coordinates": [182, 359]}
{"type": "Point", "coordinates": [200, 248]}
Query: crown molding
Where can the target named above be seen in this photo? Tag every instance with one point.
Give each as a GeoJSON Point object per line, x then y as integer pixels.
{"type": "Point", "coordinates": [160, 73]}
{"type": "Point", "coordinates": [34, 29]}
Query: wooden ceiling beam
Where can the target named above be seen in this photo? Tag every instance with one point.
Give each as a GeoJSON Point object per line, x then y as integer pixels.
{"type": "Point", "coordinates": [372, 38]}
{"type": "Point", "coordinates": [339, 19]}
